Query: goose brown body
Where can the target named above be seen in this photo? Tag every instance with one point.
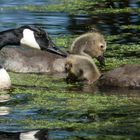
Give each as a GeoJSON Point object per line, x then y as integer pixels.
{"type": "Point", "coordinates": [31, 60]}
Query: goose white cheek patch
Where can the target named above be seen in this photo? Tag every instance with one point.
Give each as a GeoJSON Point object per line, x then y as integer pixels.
{"type": "Point", "coordinates": [29, 40]}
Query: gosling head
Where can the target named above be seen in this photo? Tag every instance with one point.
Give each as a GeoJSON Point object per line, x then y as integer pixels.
{"type": "Point", "coordinates": [72, 74]}
{"type": "Point", "coordinates": [5, 81]}
{"type": "Point", "coordinates": [81, 69]}
{"type": "Point", "coordinates": [96, 46]}
{"type": "Point", "coordinates": [90, 44]}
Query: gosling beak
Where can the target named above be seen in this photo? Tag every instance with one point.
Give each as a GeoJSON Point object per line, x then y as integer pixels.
{"type": "Point", "coordinates": [101, 60]}
{"type": "Point", "coordinates": [56, 50]}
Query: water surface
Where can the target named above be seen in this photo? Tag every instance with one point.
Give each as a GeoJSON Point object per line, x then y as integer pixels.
{"type": "Point", "coordinates": [56, 23]}
{"type": "Point", "coordinates": [58, 111]}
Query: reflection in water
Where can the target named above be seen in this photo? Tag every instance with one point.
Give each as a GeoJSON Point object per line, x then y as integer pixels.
{"type": "Point", "coordinates": [93, 89]}
{"type": "Point", "coordinates": [84, 89]}
{"type": "Point", "coordinates": [60, 134]}
{"type": "Point", "coordinates": [4, 98]}
{"type": "Point", "coordinates": [4, 110]}
{"type": "Point", "coordinates": [24, 2]}
{"type": "Point", "coordinates": [34, 135]}
{"type": "Point", "coordinates": [30, 135]}
{"type": "Point", "coordinates": [122, 4]}
{"type": "Point", "coordinates": [120, 92]}
{"type": "Point", "coordinates": [64, 24]}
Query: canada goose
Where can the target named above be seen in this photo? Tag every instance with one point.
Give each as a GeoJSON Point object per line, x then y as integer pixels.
{"type": "Point", "coordinates": [40, 61]}
{"type": "Point", "coordinates": [127, 76]}
{"type": "Point", "coordinates": [28, 36]}
{"type": "Point", "coordinates": [31, 61]}
{"type": "Point", "coordinates": [5, 81]}
{"type": "Point", "coordinates": [81, 68]}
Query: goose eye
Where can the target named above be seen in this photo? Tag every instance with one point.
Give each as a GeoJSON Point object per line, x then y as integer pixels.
{"type": "Point", "coordinates": [38, 34]}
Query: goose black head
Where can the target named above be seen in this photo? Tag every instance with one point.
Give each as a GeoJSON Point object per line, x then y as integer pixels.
{"type": "Point", "coordinates": [37, 38]}
{"type": "Point", "coordinates": [29, 36]}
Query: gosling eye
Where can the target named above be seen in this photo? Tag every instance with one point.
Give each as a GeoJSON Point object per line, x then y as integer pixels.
{"type": "Point", "coordinates": [68, 67]}
{"type": "Point", "coordinates": [101, 46]}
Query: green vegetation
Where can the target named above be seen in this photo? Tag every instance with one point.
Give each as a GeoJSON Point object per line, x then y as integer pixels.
{"type": "Point", "coordinates": [116, 54]}
{"type": "Point", "coordinates": [76, 7]}
{"type": "Point", "coordinates": [54, 106]}
{"type": "Point", "coordinates": [91, 114]}
{"type": "Point", "coordinates": [131, 27]}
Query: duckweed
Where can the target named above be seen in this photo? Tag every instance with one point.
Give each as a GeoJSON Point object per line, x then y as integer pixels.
{"type": "Point", "coordinates": [45, 101]}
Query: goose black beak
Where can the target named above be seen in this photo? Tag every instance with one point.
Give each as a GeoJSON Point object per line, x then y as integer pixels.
{"type": "Point", "coordinates": [57, 51]}
{"type": "Point", "coordinates": [101, 60]}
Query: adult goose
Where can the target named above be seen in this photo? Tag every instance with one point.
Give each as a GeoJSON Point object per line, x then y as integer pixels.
{"type": "Point", "coordinates": [89, 44]}
{"type": "Point", "coordinates": [29, 36]}
{"type": "Point", "coordinates": [124, 76]}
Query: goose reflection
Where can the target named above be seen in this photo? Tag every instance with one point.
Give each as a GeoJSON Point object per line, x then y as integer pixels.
{"type": "Point", "coordinates": [4, 110]}
{"type": "Point", "coordinates": [29, 135]}
{"type": "Point", "coordinates": [4, 98]}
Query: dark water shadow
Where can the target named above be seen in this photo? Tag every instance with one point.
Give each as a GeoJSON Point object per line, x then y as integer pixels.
{"type": "Point", "coordinates": [29, 87]}
{"type": "Point", "coordinates": [82, 89]}
{"type": "Point", "coordinates": [108, 91]}
{"type": "Point", "coordinates": [119, 91]}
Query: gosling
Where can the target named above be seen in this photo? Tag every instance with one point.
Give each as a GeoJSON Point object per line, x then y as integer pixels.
{"type": "Point", "coordinates": [81, 68]}
{"type": "Point", "coordinates": [91, 44]}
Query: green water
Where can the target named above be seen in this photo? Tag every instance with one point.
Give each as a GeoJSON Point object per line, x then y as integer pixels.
{"type": "Point", "coordinates": [74, 112]}
{"type": "Point", "coordinates": [46, 102]}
